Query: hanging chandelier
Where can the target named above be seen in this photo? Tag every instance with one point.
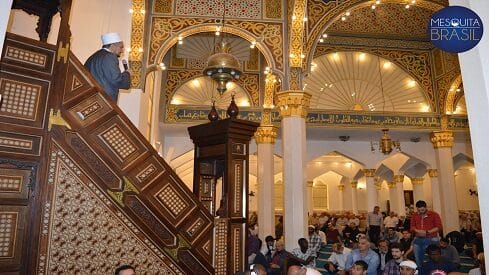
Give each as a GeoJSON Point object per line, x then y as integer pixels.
{"type": "Point", "coordinates": [386, 145]}
{"type": "Point", "coordinates": [222, 66]}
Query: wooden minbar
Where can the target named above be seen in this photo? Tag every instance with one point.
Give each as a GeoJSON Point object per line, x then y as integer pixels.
{"type": "Point", "coordinates": [221, 184]}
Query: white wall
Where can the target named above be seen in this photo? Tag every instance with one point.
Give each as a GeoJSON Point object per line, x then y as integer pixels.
{"type": "Point", "coordinates": [4, 18]}
{"type": "Point", "coordinates": [465, 180]}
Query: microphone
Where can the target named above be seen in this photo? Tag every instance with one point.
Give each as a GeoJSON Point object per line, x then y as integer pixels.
{"type": "Point", "coordinates": [124, 63]}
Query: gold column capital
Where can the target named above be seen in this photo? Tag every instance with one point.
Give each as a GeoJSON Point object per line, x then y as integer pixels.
{"type": "Point", "coordinates": [398, 178]}
{"type": "Point", "coordinates": [354, 184]}
{"type": "Point", "coordinates": [378, 185]}
{"type": "Point", "coordinates": [369, 173]}
{"type": "Point", "coordinates": [341, 187]}
{"type": "Point", "coordinates": [417, 181]}
{"type": "Point", "coordinates": [442, 139]}
{"type": "Point", "coordinates": [310, 183]}
{"type": "Point", "coordinates": [266, 134]}
{"type": "Point", "coordinates": [433, 173]}
{"type": "Point", "coordinates": [293, 103]}
{"type": "Point", "coordinates": [391, 184]}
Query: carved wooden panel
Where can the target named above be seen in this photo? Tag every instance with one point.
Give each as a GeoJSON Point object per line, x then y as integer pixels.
{"type": "Point", "coordinates": [23, 99]}
{"type": "Point", "coordinates": [28, 56]}
{"type": "Point", "coordinates": [89, 111]}
{"type": "Point", "coordinates": [15, 143]}
{"type": "Point", "coordinates": [16, 182]}
{"type": "Point", "coordinates": [77, 83]}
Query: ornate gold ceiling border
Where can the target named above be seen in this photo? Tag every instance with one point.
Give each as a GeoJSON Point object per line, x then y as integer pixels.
{"type": "Point", "coordinates": [165, 32]}
{"type": "Point", "coordinates": [137, 33]}
{"type": "Point", "coordinates": [377, 42]}
{"type": "Point", "coordinates": [415, 63]}
{"type": "Point", "coordinates": [328, 118]}
{"type": "Point", "coordinates": [176, 78]}
{"type": "Point", "coordinates": [324, 15]}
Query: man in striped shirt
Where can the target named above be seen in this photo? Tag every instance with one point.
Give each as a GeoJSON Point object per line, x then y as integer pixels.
{"type": "Point", "coordinates": [374, 225]}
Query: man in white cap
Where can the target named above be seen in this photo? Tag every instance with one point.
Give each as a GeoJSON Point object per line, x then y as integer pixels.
{"type": "Point", "coordinates": [104, 65]}
{"type": "Point", "coordinates": [408, 268]}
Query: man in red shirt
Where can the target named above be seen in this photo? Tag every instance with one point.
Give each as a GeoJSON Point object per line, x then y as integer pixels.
{"type": "Point", "coordinates": [425, 225]}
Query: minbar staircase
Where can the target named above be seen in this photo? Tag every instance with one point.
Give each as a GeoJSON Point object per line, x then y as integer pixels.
{"type": "Point", "coordinates": [81, 190]}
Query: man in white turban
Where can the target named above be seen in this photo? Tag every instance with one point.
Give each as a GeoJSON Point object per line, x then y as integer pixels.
{"type": "Point", "coordinates": [104, 65]}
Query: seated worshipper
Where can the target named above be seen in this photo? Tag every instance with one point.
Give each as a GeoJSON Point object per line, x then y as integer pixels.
{"type": "Point", "coordinates": [407, 244]}
{"type": "Point", "coordinates": [392, 235]}
{"type": "Point", "coordinates": [304, 254]}
{"type": "Point", "coordinates": [359, 268]}
{"type": "Point", "coordinates": [254, 244]}
{"type": "Point", "coordinates": [482, 266]}
{"type": "Point", "coordinates": [392, 266]}
{"type": "Point", "coordinates": [322, 236]}
{"type": "Point", "coordinates": [336, 262]}
{"type": "Point", "coordinates": [364, 253]}
{"type": "Point", "coordinates": [264, 257]}
{"type": "Point", "coordinates": [408, 267]}
{"type": "Point", "coordinates": [353, 219]}
{"type": "Point", "coordinates": [255, 269]}
{"type": "Point", "coordinates": [313, 219]}
{"type": "Point", "coordinates": [332, 234]}
{"type": "Point", "coordinates": [384, 254]}
{"type": "Point", "coordinates": [103, 65]}
{"type": "Point", "coordinates": [449, 252]}
{"type": "Point", "coordinates": [279, 259]}
{"type": "Point", "coordinates": [314, 239]}
{"type": "Point", "coordinates": [302, 270]}
{"type": "Point", "coordinates": [477, 245]}
{"type": "Point", "coordinates": [323, 219]}
{"type": "Point", "coordinates": [436, 263]}
{"type": "Point", "coordinates": [350, 234]}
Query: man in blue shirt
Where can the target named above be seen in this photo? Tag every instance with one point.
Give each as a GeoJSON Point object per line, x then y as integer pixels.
{"type": "Point", "coordinates": [436, 262]}
{"type": "Point", "coordinates": [365, 254]}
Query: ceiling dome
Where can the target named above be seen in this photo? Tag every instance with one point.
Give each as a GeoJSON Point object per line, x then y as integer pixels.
{"type": "Point", "coordinates": [359, 81]}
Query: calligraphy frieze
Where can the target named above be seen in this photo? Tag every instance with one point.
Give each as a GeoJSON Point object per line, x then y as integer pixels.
{"type": "Point", "coordinates": [322, 118]}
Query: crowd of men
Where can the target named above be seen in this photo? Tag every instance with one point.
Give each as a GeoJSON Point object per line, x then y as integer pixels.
{"type": "Point", "coordinates": [386, 245]}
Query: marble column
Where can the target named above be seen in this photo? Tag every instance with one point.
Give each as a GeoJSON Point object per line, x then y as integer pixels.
{"type": "Point", "coordinates": [310, 197]}
{"type": "Point", "coordinates": [354, 196]}
{"type": "Point", "coordinates": [265, 139]}
{"type": "Point", "coordinates": [341, 204]}
{"type": "Point", "coordinates": [372, 193]}
{"type": "Point", "coordinates": [401, 202]}
{"type": "Point", "coordinates": [394, 204]}
{"type": "Point", "coordinates": [442, 143]}
{"type": "Point", "coordinates": [418, 193]}
{"type": "Point", "coordinates": [435, 190]}
{"type": "Point", "coordinates": [293, 106]}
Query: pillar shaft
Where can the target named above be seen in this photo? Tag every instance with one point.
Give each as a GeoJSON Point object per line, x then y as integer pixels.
{"type": "Point", "coordinates": [341, 205]}
{"type": "Point", "coordinates": [309, 197]}
{"type": "Point", "coordinates": [443, 142]}
{"type": "Point", "coordinates": [401, 202]}
{"type": "Point", "coordinates": [265, 138]}
{"type": "Point", "coordinates": [418, 193]}
{"type": "Point", "coordinates": [354, 196]}
{"type": "Point", "coordinates": [293, 110]}
{"type": "Point", "coordinates": [435, 190]}
{"type": "Point", "coordinates": [372, 194]}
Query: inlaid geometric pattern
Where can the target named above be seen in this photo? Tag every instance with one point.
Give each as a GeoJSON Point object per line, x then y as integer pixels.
{"type": "Point", "coordinates": [196, 226]}
{"type": "Point", "coordinates": [16, 143]}
{"type": "Point", "coordinates": [26, 56]}
{"type": "Point", "coordinates": [76, 83]}
{"type": "Point", "coordinates": [90, 110]}
{"type": "Point", "coordinates": [162, 6]}
{"type": "Point", "coordinates": [249, 9]}
{"type": "Point", "coordinates": [221, 246]}
{"type": "Point", "coordinates": [118, 142]}
{"type": "Point", "coordinates": [86, 234]}
{"type": "Point", "coordinates": [146, 172]}
{"type": "Point", "coordinates": [237, 248]}
{"type": "Point", "coordinates": [19, 99]}
{"type": "Point", "coordinates": [238, 174]}
{"type": "Point", "coordinates": [10, 183]}
{"type": "Point", "coordinates": [8, 227]}
{"type": "Point", "coordinates": [172, 200]}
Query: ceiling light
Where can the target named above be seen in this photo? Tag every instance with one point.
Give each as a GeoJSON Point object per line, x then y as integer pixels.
{"type": "Point", "coordinates": [347, 13]}
{"type": "Point", "coordinates": [373, 7]}
{"type": "Point", "coordinates": [321, 40]}
{"type": "Point", "coordinates": [377, 2]}
{"type": "Point", "coordinates": [294, 17]}
{"type": "Point", "coordinates": [457, 90]}
{"type": "Point", "coordinates": [361, 57]}
{"type": "Point", "coordinates": [325, 35]}
{"type": "Point", "coordinates": [407, 6]}
{"type": "Point", "coordinates": [304, 19]}
{"type": "Point", "coordinates": [343, 18]}
{"type": "Point", "coordinates": [387, 65]}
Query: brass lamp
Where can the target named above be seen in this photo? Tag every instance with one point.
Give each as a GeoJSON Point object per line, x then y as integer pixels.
{"type": "Point", "coordinates": [222, 67]}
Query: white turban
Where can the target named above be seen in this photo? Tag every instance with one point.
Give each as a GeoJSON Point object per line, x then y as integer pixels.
{"type": "Point", "coordinates": [110, 38]}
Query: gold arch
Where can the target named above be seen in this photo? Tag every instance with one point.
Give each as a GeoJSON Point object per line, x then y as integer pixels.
{"type": "Point", "coordinates": [169, 43]}
{"type": "Point", "coordinates": [334, 14]}
{"type": "Point", "coordinates": [452, 95]}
